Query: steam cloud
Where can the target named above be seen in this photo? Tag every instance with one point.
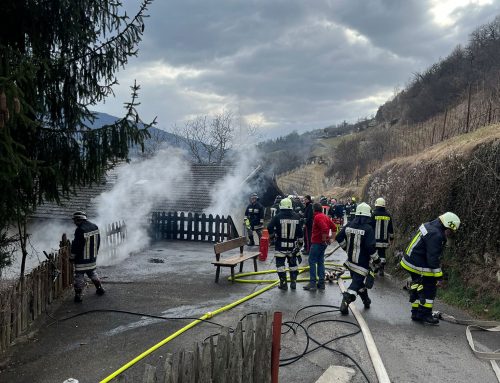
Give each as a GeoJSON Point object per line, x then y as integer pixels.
{"type": "Point", "coordinates": [139, 186]}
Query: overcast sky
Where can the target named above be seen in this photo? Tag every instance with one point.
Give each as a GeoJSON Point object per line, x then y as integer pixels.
{"type": "Point", "coordinates": [287, 64]}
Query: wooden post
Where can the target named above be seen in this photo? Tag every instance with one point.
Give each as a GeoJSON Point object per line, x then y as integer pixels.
{"type": "Point", "coordinates": [275, 354]}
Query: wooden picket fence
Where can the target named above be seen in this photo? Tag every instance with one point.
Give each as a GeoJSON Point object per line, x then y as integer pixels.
{"type": "Point", "coordinates": [242, 356]}
{"type": "Point", "coordinates": [114, 235]}
{"type": "Point", "coordinates": [192, 227]}
{"type": "Point", "coordinates": [23, 303]}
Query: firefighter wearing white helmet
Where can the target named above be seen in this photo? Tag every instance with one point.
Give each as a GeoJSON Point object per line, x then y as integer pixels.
{"type": "Point", "coordinates": [84, 249]}
{"type": "Point", "coordinates": [286, 229]}
{"type": "Point", "coordinates": [357, 238]}
{"type": "Point", "coordinates": [422, 259]}
{"type": "Point", "coordinates": [254, 218]}
{"type": "Point", "coordinates": [384, 232]}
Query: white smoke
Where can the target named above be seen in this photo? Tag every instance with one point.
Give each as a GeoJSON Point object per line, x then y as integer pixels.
{"type": "Point", "coordinates": [230, 195]}
{"type": "Point", "coordinates": [138, 187]}
{"type": "Point", "coordinates": [42, 236]}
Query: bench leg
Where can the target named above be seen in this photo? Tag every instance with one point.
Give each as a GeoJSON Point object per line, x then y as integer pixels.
{"type": "Point", "coordinates": [255, 263]}
{"type": "Point", "coordinates": [217, 273]}
{"type": "Point", "coordinates": [232, 274]}
{"type": "Point", "coordinates": [241, 267]}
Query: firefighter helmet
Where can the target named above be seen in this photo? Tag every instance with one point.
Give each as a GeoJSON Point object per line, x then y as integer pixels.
{"type": "Point", "coordinates": [450, 220]}
{"type": "Point", "coordinates": [380, 202]}
{"type": "Point", "coordinates": [254, 195]}
{"type": "Point", "coordinates": [353, 199]}
{"type": "Point", "coordinates": [364, 209]}
{"type": "Point", "coordinates": [286, 203]}
{"type": "Point", "coordinates": [79, 215]}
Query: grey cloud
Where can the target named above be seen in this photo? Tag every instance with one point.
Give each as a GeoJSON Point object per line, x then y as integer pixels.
{"type": "Point", "coordinates": [282, 60]}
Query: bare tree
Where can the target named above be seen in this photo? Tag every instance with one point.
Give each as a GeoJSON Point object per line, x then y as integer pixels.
{"type": "Point", "coordinates": [208, 139]}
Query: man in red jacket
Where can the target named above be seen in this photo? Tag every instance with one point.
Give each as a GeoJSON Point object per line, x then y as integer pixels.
{"type": "Point", "coordinates": [320, 239]}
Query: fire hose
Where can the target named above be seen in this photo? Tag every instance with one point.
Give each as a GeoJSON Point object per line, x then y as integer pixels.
{"type": "Point", "coordinates": [477, 325]}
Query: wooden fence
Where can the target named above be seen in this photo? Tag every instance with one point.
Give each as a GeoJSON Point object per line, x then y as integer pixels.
{"type": "Point", "coordinates": [22, 303]}
{"type": "Point", "coordinates": [114, 235]}
{"type": "Point", "coordinates": [242, 356]}
{"type": "Point", "coordinates": [192, 227]}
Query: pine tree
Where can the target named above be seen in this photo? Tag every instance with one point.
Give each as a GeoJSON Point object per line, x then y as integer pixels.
{"type": "Point", "coordinates": [58, 59]}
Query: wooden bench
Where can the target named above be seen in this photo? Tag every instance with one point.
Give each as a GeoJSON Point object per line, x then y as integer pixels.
{"type": "Point", "coordinates": [232, 261]}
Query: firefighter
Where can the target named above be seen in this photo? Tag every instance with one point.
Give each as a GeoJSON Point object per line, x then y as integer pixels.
{"type": "Point", "coordinates": [308, 223]}
{"type": "Point", "coordinates": [350, 209]}
{"type": "Point", "coordinates": [358, 240]}
{"type": "Point", "coordinates": [84, 249]}
{"type": "Point", "coordinates": [384, 233]}
{"type": "Point", "coordinates": [254, 218]}
{"type": "Point", "coordinates": [287, 229]}
{"type": "Point", "coordinates": [422, 260]}
{"type": "Point", "coordinates": [276, 206]}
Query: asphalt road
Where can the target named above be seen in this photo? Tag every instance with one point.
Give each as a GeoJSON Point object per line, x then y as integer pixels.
{"type": "Point", "coordinates": [92, 346]}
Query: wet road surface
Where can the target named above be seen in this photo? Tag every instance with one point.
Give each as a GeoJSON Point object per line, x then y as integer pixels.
{"type": "Point", "coordinates": [92, 346]}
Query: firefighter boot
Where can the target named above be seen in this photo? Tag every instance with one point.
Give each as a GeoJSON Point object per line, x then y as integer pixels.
{"type": "Point", "coordinates": [293, 279]}
{"type": "Point", "coordinates": [78, 296]}
{"type": "Point", "coordinates": [344, 306]}
{"type": "Point", "coordinates": [381, 269]}
{"type": "Point", "coordinates": [251, 241]}
{"type": "Point", "coordinates": [99, 290]}
{"type": "Point", "coordinates": [283, 285]}
{"type": "Point", "coordinates": [424, 314]}
{"type": "Point", "coordinates": [414, 313]}
{"type": "Point", "coordinates": [365, 298]}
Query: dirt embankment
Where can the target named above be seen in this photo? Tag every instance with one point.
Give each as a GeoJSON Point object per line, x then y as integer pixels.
{"type": "Point", "coordinates": [461, 175]}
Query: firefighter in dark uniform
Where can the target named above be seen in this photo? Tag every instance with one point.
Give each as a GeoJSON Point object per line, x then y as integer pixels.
{"type": "Point", "coordinates": [350, 209]}
{"type": "Point", "coordinates": [358, 240]}
{"type": "Point", "coordinates": [308, 223]}
{"type": "Point", "coordinates": [287, 229]}
{"type": "Point", "coordinates": [422, 260]}
{"type": "Point", "coordinates": [384, 232]}
{"type": "Point", "coordinates": [276, 206]}
{"type": "Point", "coordinates": [84, 249]}
{"type": "Point", "coordinates": [254, 218]}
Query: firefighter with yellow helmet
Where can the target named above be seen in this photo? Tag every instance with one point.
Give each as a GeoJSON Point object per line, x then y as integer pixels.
{"type": "Point", "coordinates": [422, 259]}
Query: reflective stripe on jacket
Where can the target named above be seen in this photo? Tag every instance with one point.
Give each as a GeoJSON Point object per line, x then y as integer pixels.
{"type": "Point", "coordinates": [423, 254]}
{"type": "Point", "coordinates": [85, 246]}
{"type": "Point", "coordinates": [287, 228]}
{"type": "Point", "coordinates": [358, 240]}
{"type": "Point", "coordinates": [382, 224]}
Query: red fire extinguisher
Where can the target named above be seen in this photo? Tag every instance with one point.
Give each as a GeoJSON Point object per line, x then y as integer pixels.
{"type": "Point", "coordinates": [264, 245]}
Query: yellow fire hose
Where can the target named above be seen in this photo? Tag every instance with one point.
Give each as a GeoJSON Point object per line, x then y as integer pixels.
{"type": "Point", "coordinates": [272, 283]}
{"type": "Point", "coordinates": [184, 329]}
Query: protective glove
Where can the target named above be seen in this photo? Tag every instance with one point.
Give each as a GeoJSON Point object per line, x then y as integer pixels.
{"type": "Point", "coordinates": [247, 223]}
{"type": "Point", "coordinates": [370, 279]}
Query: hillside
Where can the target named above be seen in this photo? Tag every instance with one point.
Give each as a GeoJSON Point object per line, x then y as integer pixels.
{"type": "Point", "coordinates": [460, 175]}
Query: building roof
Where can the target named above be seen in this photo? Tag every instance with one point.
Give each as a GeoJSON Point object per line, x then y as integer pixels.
{"type": "Point", "coordinates": [189, 196]}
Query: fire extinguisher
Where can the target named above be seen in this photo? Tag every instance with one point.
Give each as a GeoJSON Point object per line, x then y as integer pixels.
{"type": "Point", "coordinates": [264, 245]}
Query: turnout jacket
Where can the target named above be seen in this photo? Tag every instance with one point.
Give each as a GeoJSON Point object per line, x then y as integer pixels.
{"type": "Point", "coordinates": [382, 224]}
{"type": "Point", "coordinates": [255, 214]}
{"type": "Point", "coordinates": [358, 240]}
{"type": "Point", "coordinates": [286, 225]}
{"type": "Point", "coordinates": [422, 256]}
{"type": "Point", "coordinates": [85, 246]}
